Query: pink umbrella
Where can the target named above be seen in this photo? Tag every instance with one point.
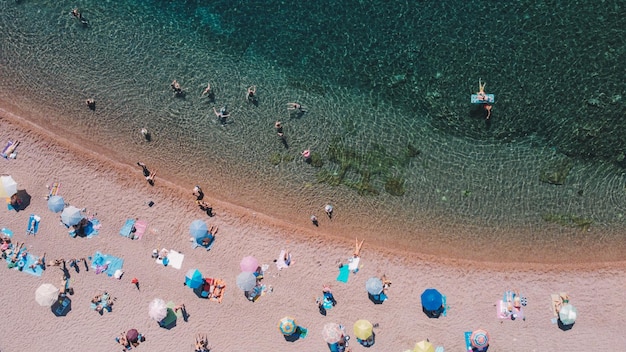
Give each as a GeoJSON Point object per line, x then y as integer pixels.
{"type": "Point", "coordinates": [249, 264]}
{"type": "Point", "coordinates": [332, 333]}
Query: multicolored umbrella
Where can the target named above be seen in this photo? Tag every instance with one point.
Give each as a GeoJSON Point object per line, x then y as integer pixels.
{"type": "Point", "coordinates": [157, 309]}
{"type": "Point", "coordinates": [8, 186]}
{"type": "Point", "coordinates": [479, 339]}
{"type": "Point", "coordinates": [198, 229]}
{"type": "Point", "coordinates": [431, 299]}
{"type": "Point", "coordinates": [332, 333]}
{"type": "Point", "coordinates": [424, 346]}
{"type": "Point", "coordinates": [46, 295]}
{"type": "Point", "coordinates": [194, 278]}
{"type": "Point", "coordinates": [363, 329]}
{"type": "Point", "coordinates": [246, 281]}
{"type": "Point", "coordinates": [71, 216]}
{"type": "Point", "coordinates": [287, 326]}
{"type": "Point", "coordinates": [249, 264]}
{"type": "Point", "coordinates": [56, 204]}
{"type": "Point", "coordinates": [374, 286]}
{"type": "Point", "coordinates": [568, 314]}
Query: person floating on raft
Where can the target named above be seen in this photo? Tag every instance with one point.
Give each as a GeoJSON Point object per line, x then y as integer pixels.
{"type": "Point", "coordinates": [484, 99]}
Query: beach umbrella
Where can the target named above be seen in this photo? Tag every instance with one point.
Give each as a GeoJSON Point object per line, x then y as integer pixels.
{"type": "Point", "coordinates": [479, 339]}
{"type": "Point", "coordinates": [363, 329]}
{"type": "Point", "coordinates": [46, 295]}
{"type": "Point", "coordinates": [71, 216]}
{"type": "Point", "coordinates": [157, 309]}
{"type": "Point", "coordinates": [198, 229]}
{"type": "Point", "coordinates": [194, 278]}
{"type": "Point", "coordinates": [424, 346]}
{"type": "Point", "coordinates": [249, 264]}
{"type": "Point", "coordinates": [567, 314]}
{"type": "Point", "coordinates": [132, 335]}
{"type": "Point", "coordinates": [374, 286]}
{"type": "Point", "coordinates": [431, 299]}
{"type": "Point", "coordinates": [56, 204]}
{"type": "Point", "coordinates": [246, 281]}
{"type": "Point", "coordinates": [8, 186]}
{"type": "Point", "coordinates": [287, 326]}
{"type": "Point", "coordinates": [332, 333]}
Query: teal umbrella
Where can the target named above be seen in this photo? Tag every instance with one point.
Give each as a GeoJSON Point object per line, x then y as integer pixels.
{"type": "Point", "coordinates": [194, 278]}
{"type": "Point", "coordinates": [568, 314]}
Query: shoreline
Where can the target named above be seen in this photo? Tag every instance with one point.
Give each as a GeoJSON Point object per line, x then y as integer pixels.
{"type": "Point", "coordinates": [116, 191]}
{"type": "Point", "coordinates": [121, 168]}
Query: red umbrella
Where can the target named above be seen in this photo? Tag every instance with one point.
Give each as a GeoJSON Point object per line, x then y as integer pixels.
{"type": "Point", "coordinates": [132, 335]}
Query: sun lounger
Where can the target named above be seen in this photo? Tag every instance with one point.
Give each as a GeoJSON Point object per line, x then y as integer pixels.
{"type": "Point", "coordinates": [280, 262]}
{"type": "Point", "coordinates": [9, 150]}
{"type": "Point", "coordinates": [6, 148]}
{"type": "Point", "coordinates": [127, 228]}
{"type": "Point", "coordinates": [557, 302]}
{"type": "Point", "coordinates": [353, 264]}
{"type": "Point", "coordinates": [33, 224]}
{"type": "Point", "coordinates": [54, 189]}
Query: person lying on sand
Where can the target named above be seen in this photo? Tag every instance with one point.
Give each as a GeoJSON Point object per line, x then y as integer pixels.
{"type": "Point", "coordinates": [150, 178]}
{"type": "Point", "coordinates": [57, 262]}
{"type": "Point", "coordinates": [40, 262]}
{"type": "Point", "coordinates": [357, 248]}
{"type": "Point", "coordinates": [202, 344]}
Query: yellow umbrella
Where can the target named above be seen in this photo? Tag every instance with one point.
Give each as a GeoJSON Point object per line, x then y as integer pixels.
{"type": "Point", "coordinates": [424, 346]}
{"type": "Point", "coordinates": [363, 329]}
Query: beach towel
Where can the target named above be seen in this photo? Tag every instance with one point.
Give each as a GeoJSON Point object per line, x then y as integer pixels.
{"type": "Point", "coordinates": [198, 243]}
{"type": "Point", "coordinates": [344, 273]}
{"type": "Point", "coordinates": [92, 228]}
{"type": "Point", "coordinates": [4, 151]}
{"type": "Point", "coordinates": [9, 205]}
{"type": "Point", "coordinates": [444, 302]}
{"type": "Point", "coordinates": [7, 232]}
{"type": "Point", "coordinates": [468, 341]}
{"type": "Point", "coordinates": [281, 263]}
{"type": "Point", "coordinates": [353, 264]}
{"type": "Point", "coordinates": [54, 190]}
{"type": "Point", "coordinates": [32, 260]}
{"type": "Point", "coordinates": [106, 263]}
{"type": "Point", "coordinates": [9, 150]}
{"type": "Point", "coordinates": [33, 224]}
{"type": "Point", "coordinates": [127, 228]}
{"type": "Point", "coordinates": [140, 229]}
{"type": "Point", "coordinates": [174, 259]}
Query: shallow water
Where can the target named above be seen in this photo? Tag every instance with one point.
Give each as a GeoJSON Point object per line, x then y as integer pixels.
{"type": "Point", "coordinates": [466, 195]}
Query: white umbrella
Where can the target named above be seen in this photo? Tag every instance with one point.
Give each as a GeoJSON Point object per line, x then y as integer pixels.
{"type": "Point", "coordinates": [568, 314]}
{"type": "Point", "coordinates": [46, 295]}
{"type": "Point", "coordinates": [374, 286]}
{"type": "Point", "coordinates": [332, 333]}
{"type": "Point", "coordinates": [8, 186]}
{"type": "Point", "coordinates": [157, 309]}
{"type": "Point", "coordinates": [246, 281]}
{"type": "Point", "coordinates": [71, 216]}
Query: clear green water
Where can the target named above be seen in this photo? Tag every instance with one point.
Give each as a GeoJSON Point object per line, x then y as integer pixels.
{"type": "Point", "coordinates": [387, 88]}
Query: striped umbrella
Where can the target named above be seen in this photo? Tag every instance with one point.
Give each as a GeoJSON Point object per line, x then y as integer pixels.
{"type": "Point", "coordinates": [332, 333]}
{"type": "Point", "coordinates": [287, 326]}
{"type": "Point", "coordinates": [480, 339]}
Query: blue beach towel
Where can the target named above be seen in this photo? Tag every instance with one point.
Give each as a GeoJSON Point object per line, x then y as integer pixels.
{"type": "Point", "coordinates": [106, 263]}
{"type": "Point", "coordinates": [127, 228]}
{"type": "Point", "coordinates": [468, 341]}
{"type": "Point", "coordinates": [344, 273]}
{"type": "Point", "coordinates": [30, 260]}
{"type": "Point", "coordinates": [198, 243]}
{"type": "Point", "coordinates": [444, 302]}
{"type": "Point", "coordinates": [7, 232]}
{"type": "Point", "coordinates": [93, 227]}
{"type": "Point", "coordinates": [33, 224]}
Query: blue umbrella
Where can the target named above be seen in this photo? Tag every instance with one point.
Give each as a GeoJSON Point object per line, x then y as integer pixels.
{"type": "Point", "coordinates": [374, 286]}
{"type": "Point", "coordinates": [246, 281]}
{"type": "Point", "coordinates": [194, 278]}
{"type": "Point", "coordinates": [71, 216]}
{"type": "Point", "coordinates": [56, 204]}
{"type": "Point", "coordinates": [432, 299]}
{"type": "Point", "coordinates": [198, 229]}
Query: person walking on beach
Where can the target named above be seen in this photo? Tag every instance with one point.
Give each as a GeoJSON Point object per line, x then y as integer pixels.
{"type": "Point", "coordinates": [144, 168]}
{"type": "Point", "coordinates": [197, 192]}
{"type": "Point", "coordinates": [328, 209]}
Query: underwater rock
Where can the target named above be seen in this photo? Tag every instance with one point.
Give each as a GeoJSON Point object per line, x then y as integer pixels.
{"type": "Point", "coordinates": [556, 173]}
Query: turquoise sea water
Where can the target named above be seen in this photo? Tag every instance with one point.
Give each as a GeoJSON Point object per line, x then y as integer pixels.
{"type": "Point", "coordinates": [406, 160]}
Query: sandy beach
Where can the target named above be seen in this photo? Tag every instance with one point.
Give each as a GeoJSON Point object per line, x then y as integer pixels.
{"type": "Point", "coordinates": [115, 192]}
